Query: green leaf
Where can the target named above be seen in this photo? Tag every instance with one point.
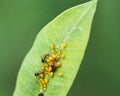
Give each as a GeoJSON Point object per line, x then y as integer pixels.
{"type": "Point", "coordinates": [72, 27]}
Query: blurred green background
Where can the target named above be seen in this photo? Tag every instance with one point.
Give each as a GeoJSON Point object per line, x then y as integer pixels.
{"type": "Point", "coordinates": [21, 20]}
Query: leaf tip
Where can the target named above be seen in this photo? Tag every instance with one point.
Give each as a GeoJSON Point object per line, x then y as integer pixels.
{"type": "Point", "coordinates": [95, 2]}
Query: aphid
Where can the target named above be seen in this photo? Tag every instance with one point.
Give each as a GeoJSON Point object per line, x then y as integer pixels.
{"type": "Point", "coordinates": [53, 51]}
{"type": "Point", "coordinates": [59, 51]}
{"type": "Point", "coordinates": [51, 74]}
{"type": "Point", "coordinates": [50, 58]}
{"type": "Point", "coordinates": [41, 75]}
{"type": "Point", "coordinates": [43, 67]}
{"type": "Point", "coordinates": [44, 58]}
{"type": "Point", "coordinates": [44, 85]}
{"type": "Point", "coordinates": [63, 55]}
{"type": "Point", "coordinates": [60, 73]}
{"type": "Point", "coordinates": [41, 94]}
{"type": "Point", "coordinates": [45, 89]}
{"type": "Point", "coordinates": [52, 46]}
{"type": "Point", "coordinates": [55, 58]}
{"type": "Point", "coordinates": [58, 64]}
{"type": "Point", "coordinates": [63, 45]}
{"type": "Point", "coordinates": [50, 69]}
{"type": "Point", "coordinates": [46, 65]}
{"type": "Point", "coordinates": [41, 85]}
{"type": "Point", "coordinates": [47, 68]}
{"type": "Point", "coordinates": [46, 80]}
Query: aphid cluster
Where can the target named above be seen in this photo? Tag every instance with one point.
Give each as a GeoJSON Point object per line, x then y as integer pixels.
{"type": "Point", "coordinates": [50, 64]}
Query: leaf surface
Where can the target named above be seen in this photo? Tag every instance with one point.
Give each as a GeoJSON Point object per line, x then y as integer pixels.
{"type": "Point", "coordinates": [72, 27]}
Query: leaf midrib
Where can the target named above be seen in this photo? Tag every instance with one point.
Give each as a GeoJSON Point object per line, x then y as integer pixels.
{"type": "Point", "coordinates": [74, 26]}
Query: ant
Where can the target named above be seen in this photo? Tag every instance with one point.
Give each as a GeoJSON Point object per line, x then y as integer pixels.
{"type": "Point", "coordinates": [44, 58]}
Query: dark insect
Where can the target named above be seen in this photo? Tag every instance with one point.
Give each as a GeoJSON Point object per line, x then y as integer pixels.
{"type": "Point", "coordinates": [41, 94]}
{"type": "Point", "coordinates": [37, 73]}
{"type": "Point", "coordinates": [44, 58]}
{"type": "Point", "coordinates": [53, 67]}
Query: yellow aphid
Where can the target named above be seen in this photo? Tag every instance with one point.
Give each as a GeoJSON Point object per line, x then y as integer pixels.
{"type": "Point", "coordinates": [54, 56]}
{"type": "Point", "coordinates": [58, 64]}
{"type": "Point", "coordinates": [45, 89]}
{"type": "Point", "coordinates": [46, 68]}
{"type": "Point", "coordinates": [60, 74]}
{"type": "Point", "coordinates": [50, 58]}
{"type": "Point", "coordinates": [41, 86]}
{"type": "Point", "coordinates": [44, 85]}
{"type": "Point", "coordinates": [50, 63]}
{"type": "Point", "coordinates": [46, 65]}
{"type": "Point", "coordinates": [41, 79]}
{"type": "Point", "coordinates": [50, 69]}
{"type": "Point", "coordinates": [59, 51]}
{"type": "Point", "coordinates": [58, 57]}
{"type": "Point", "coordinates": [63, 55]}
{"type": "Point", "coordinates": [43, 67]}
{"type": "Point", "coordinates": [41, 75]}
{"type": "Point", "coordinates": [42, 82]}
{"type": "Point", "coordinates": [51, 74]}
{"type": "Point", "coordinates": [51, 46]}
{"type": "Point", "coordinates": [63, 45]}
{"type": "Point", "coordinates": [46, 80]}
{"type": "Point", "coordinates": [53, 51]}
